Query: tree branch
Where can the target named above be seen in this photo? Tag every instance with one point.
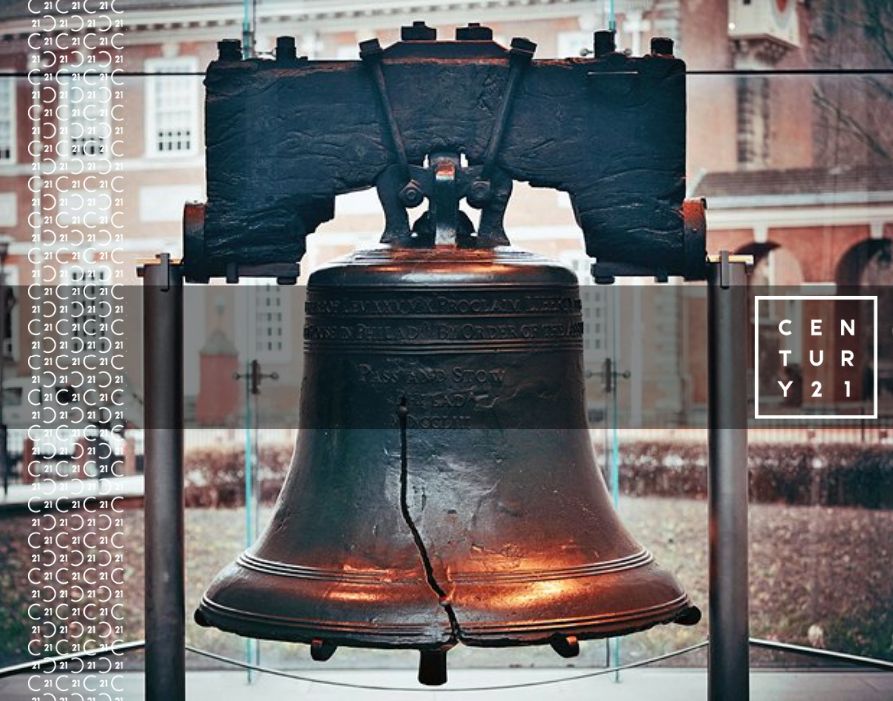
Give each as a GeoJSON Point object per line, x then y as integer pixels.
{"type": "Point", "coordinates": [852, 125]}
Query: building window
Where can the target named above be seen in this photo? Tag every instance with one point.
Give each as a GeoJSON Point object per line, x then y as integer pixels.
{"type": "Point", "coordinates": [263, 321]}
{"type": "Point", "coordinates": [268, 319]}
{"type": "Point", "coordinates": [594, 300]}
{"type": "Point", "coordinates": [171, 106]}
{"type": "Point", "coordinates": [7, 119]}
{"type": "Point", "coordinates": [85, 209]}
{"type": "Point", "coordinates": [272, 323]}
{"type": "Point", "coordinates": [84, 115]}
{"type": "Point", "coordinates": [11, 342]}
{"type": "Point", "coordinates": [90, 321]}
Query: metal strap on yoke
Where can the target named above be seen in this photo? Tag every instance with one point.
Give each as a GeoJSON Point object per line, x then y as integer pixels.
{"type": "Point", "coordinates": [520, 56]}
{"type": "Point", "coordinates": [371, 55]}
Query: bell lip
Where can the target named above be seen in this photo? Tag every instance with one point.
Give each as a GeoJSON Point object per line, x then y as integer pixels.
{"type": "Point", "coordinates": [295, 608]}
{"type": "Point", "coordinates": [348, 634]}
{"type": "Point", "coordinates": [582, 627]}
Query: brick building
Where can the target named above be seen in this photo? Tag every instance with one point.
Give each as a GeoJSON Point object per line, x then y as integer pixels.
{"type": "Point", "coordinates": [790, 178]}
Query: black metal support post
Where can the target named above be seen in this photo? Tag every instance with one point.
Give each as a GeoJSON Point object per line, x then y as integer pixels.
{"type": "Point", "coordinates": [4, 443]}
{"type": "Point", "coordinates": [164, 564]}
{"type": "Point", "coordinates": [727, 330]}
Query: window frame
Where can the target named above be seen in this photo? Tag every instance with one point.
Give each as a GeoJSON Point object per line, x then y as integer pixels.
{"type": "Point", "coordinates": [12, 159]}
{"type": "Point", "coordinates": [150, 66]}
{"type": "Point", "coordinates": [64, 101]}
{"type": "Point", "coordinates": [10, 349]}
{"type": "Point", "coordinates": [246, 322]}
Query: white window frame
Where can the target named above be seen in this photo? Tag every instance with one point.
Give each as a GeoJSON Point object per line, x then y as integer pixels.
{"type": "Point", "coordinates": [65, 84]}
{"type": "Point", "coordinates": [282, 324]}
{"type": "Point", "coordinates": [83, 278]}
{"type": "Point", "coordinates": [158, 67]}
{"type": "Point", "coordinates": [11, 349]}
{"type": "Point", "coordinates": [94, 208]}
{"type": "Point", "coordinates": [594, 309]}
{"type": "Point", "coordinates": [247, 322]}
{"type": "Point", "coordinates": [11, 114]}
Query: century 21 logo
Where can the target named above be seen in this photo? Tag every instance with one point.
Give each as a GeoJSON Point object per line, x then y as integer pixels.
{"type": "Point", "coordinates": [817, 359]}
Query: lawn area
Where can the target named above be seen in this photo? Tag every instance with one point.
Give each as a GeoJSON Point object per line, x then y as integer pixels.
{"type": "Point", "coordinates": [830, 567]}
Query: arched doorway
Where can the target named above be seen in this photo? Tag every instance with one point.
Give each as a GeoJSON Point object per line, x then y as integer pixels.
{"type": "Point", "coordinates": [773, 265]}
{"type": "Point", "coordinates": [867, 269]}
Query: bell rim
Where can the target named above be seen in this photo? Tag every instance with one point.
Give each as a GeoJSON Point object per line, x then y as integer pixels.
{"type": "Point", "coordinates": [421, 636]}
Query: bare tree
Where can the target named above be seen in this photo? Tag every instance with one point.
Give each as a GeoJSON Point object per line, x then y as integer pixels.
{"type": "Point", "coordinates": [855, 112]}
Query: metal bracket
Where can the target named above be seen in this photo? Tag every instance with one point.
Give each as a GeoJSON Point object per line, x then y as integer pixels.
{"type": "Point", "coordinates": [520, 56]}
{"type": "Point", "coordinates": [164, 261]}
{"type": "Point", "coordinates": [610, 375]}
{"type": "Point", "coordinates": [405, 185]}
{"type": "Point", "coordinates": [371, 54]}
{"type": "Point", "coordinates": [693, 242]}
{"type": "Point", "coordinates": [725, 261]}
{"type": "Point", "coordinates": [284, 273]}
{"type": "Point", "coordinates": [605, 273]}
{"type": "Point", "coordinates": [445, 203]}
{"type": "Point", "coordinates": [255, 376]}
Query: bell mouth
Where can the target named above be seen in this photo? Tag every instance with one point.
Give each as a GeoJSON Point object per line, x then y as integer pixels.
{"type": "Point", "coordinates": [435, 642]}
{"type": "Point", "coordinates": [258, 598]}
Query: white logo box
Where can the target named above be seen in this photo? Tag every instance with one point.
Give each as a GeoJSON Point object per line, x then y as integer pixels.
{"type": "Point", "coordinates": [756, 357]}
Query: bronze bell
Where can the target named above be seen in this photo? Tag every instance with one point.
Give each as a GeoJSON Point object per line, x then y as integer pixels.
{"type": "Point", "coordinates": [443, 487]}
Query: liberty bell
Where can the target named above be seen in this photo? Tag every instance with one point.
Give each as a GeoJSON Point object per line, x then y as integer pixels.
{"type": "Point", "coordinates": [443, 488]}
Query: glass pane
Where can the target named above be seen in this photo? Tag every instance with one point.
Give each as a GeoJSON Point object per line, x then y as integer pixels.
{"type": "Point", "coordinates": [788, 139]}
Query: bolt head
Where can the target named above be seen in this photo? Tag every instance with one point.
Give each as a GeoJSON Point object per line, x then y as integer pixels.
{"type": "Point", "coordinates": [479, 192]}
{"type": "Point", "coordinates": [229, 50]}
{"type": "Point", "coordinates": [411, 195]}
{"type": "Point", "coordinates": [370, 49]}
{"type": "Point", "coordinates": [474, 32]}
{"type": "Point", "coordinates": [419, 31]}
{"type": "Point", "coordinates": [662, 46]}
{"type": "Point", "coordinates": [603, 43]}
{"type": "Point", "coordinates": [286, 49]}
